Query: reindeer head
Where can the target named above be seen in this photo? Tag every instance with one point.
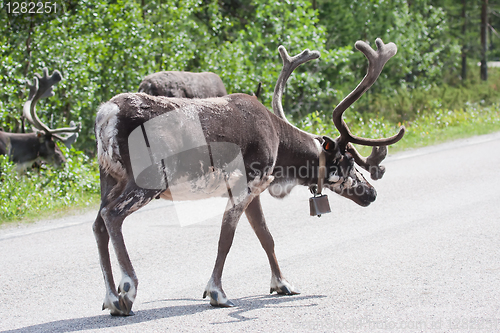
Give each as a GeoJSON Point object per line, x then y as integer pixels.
{"type": "Point", "coordinates": [48, 150]}
{"type": "Point", "coordinates": [341, 175]}
{"type": "Point", "coordinates": [42, 88]}
{"type": "Point", "coordinates": [337, 157]}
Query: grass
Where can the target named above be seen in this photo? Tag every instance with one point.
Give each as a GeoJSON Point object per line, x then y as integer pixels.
{"type": "Point", "coordinates": [437, 127]}
{"type": "Point", "coordinates": [431, 114]}
{"type": "Point", "coordinates": [48, 192]}
{"type": "Point", "coordinates": [424, 130]}
{"type": "Point", "coordinates": [449, 125]}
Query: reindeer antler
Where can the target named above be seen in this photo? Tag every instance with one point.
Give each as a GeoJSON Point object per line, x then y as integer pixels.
{"type": "Point", "coordinates": [289, 65]}
{"type": "Point", "coordinates": [376, 62]}
{"type": "Point", "coordinates": [42, 88]}
{"type": "Point", "coordinates": [372, 162]}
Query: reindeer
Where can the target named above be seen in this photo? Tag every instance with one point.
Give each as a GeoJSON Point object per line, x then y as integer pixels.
{"type": "Point", "coordinates": [183, 84]}
{"type": "Point", "coordinates": [156, 147]}
{"type": "Point", "coordinates": [186, 85]}
{"type": "Point", "coordinates": [26, 148]}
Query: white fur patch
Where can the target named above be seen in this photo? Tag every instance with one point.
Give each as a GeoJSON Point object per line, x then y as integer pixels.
{"type": "Point", "coordinates": [132, 292]}
{"type": "Point", "coordinates": [257, 186]}
{"type": "Point", "coordinates": [351, 181]}
{"type": "Point", "coordinates": [190, 107]}
{"type": "Point", "coordinates": [334, 178]}
{"type": "Point", "coordinates": [107, 146]}
{"type": "Point", "coordinates": [318, 145]}
{"type": "Point", "coordinates": [138, 201]}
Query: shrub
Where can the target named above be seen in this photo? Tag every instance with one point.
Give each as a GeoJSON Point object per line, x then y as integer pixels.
{"type": "Point", "coordinates": [47, 189]}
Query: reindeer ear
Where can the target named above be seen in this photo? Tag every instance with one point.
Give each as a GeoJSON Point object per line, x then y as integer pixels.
{"type": "Point", "coordinates": [329, 145]}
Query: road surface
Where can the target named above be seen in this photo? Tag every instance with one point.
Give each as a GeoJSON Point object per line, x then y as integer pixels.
{"type": "Point", "coordinates": [424, 257]}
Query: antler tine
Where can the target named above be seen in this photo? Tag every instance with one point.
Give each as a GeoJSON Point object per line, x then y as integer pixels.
{"type": "Point", "coordinates": [68, 139]}
{"type": "Point", "coordinates": [27, 105]}
{"type": "Point", "coordinates": [42, 87]}
{"type": "Point", "coordinates": [372, 162]}
{"type": "Point", "coordinates": [376, 62]}
{"type": "Point", "coordinates": [289, 65]}
{"type": "Point", "coordinates": [73, 129]}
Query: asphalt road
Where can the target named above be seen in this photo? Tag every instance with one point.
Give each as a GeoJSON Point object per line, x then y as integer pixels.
{"type": "Point", "coordinates": [424, 257]}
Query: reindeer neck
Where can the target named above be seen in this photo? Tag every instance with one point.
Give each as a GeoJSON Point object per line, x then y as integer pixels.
{"type": "Point", "coordinates": [18, 144]}
{"type": "Point", "coordinates": [298, 154]}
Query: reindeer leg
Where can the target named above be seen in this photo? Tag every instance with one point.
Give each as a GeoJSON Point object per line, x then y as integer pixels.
{"type": "Point", "coordinates": [120, 303]}
{"type": "Point", "coordinates": [257, 221]}
{"type": "Point", "coordinates": [113, 215]}
{"type": "Point", "coordinates": [102, 239]}
{"type": "Point", "coordinates": [214, 286]}
{"type": "Point", "coordinates": [229, 223]}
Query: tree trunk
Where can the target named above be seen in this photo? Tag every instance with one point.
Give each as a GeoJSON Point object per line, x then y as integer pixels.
{"type": "Point", "coordinates": [464, 41]}
{"type": "Point", "coordinates": [28, 63]}
{"type": "Point", "coordinates": [484, 41]}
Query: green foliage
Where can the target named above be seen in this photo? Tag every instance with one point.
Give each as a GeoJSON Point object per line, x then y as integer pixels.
{"type": "Point", "coordinates": [419, 29]}
{"type": "Point", "coordinates": [446, 125]}
{"type": "Point", "coordinates": [425, 129]}
{"type": "Point", "coordinates": [105, 47]}
{"type": "Point", "coordinates": [406, 104]}
{"type": "Point", "coordinates": [100, 51]}
{"type": "Point", "coordinates": [440, 124]}
{"type": "Point", "coordinates": [250, 56]}
{"type": "Point", "coordinates": [28, 194]}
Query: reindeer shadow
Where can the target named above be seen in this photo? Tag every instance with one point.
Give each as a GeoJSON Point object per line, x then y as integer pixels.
{"type": "Point", "coordinates": [249, 303]}
{"type": "Point", "coordinates": [244, 304]}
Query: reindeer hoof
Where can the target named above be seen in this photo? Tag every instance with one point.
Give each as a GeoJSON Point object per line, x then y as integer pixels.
{"type": "Point", "coordinates": [121, 314]}
{"type": "Point", "coordinates": [218, 299]}
{"type": "Point", "coordinates": [282, 287]}
{"type": "Point", "coordinates": [120, 307]}
{"type": "Point", "coordinates": [126, 305]}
